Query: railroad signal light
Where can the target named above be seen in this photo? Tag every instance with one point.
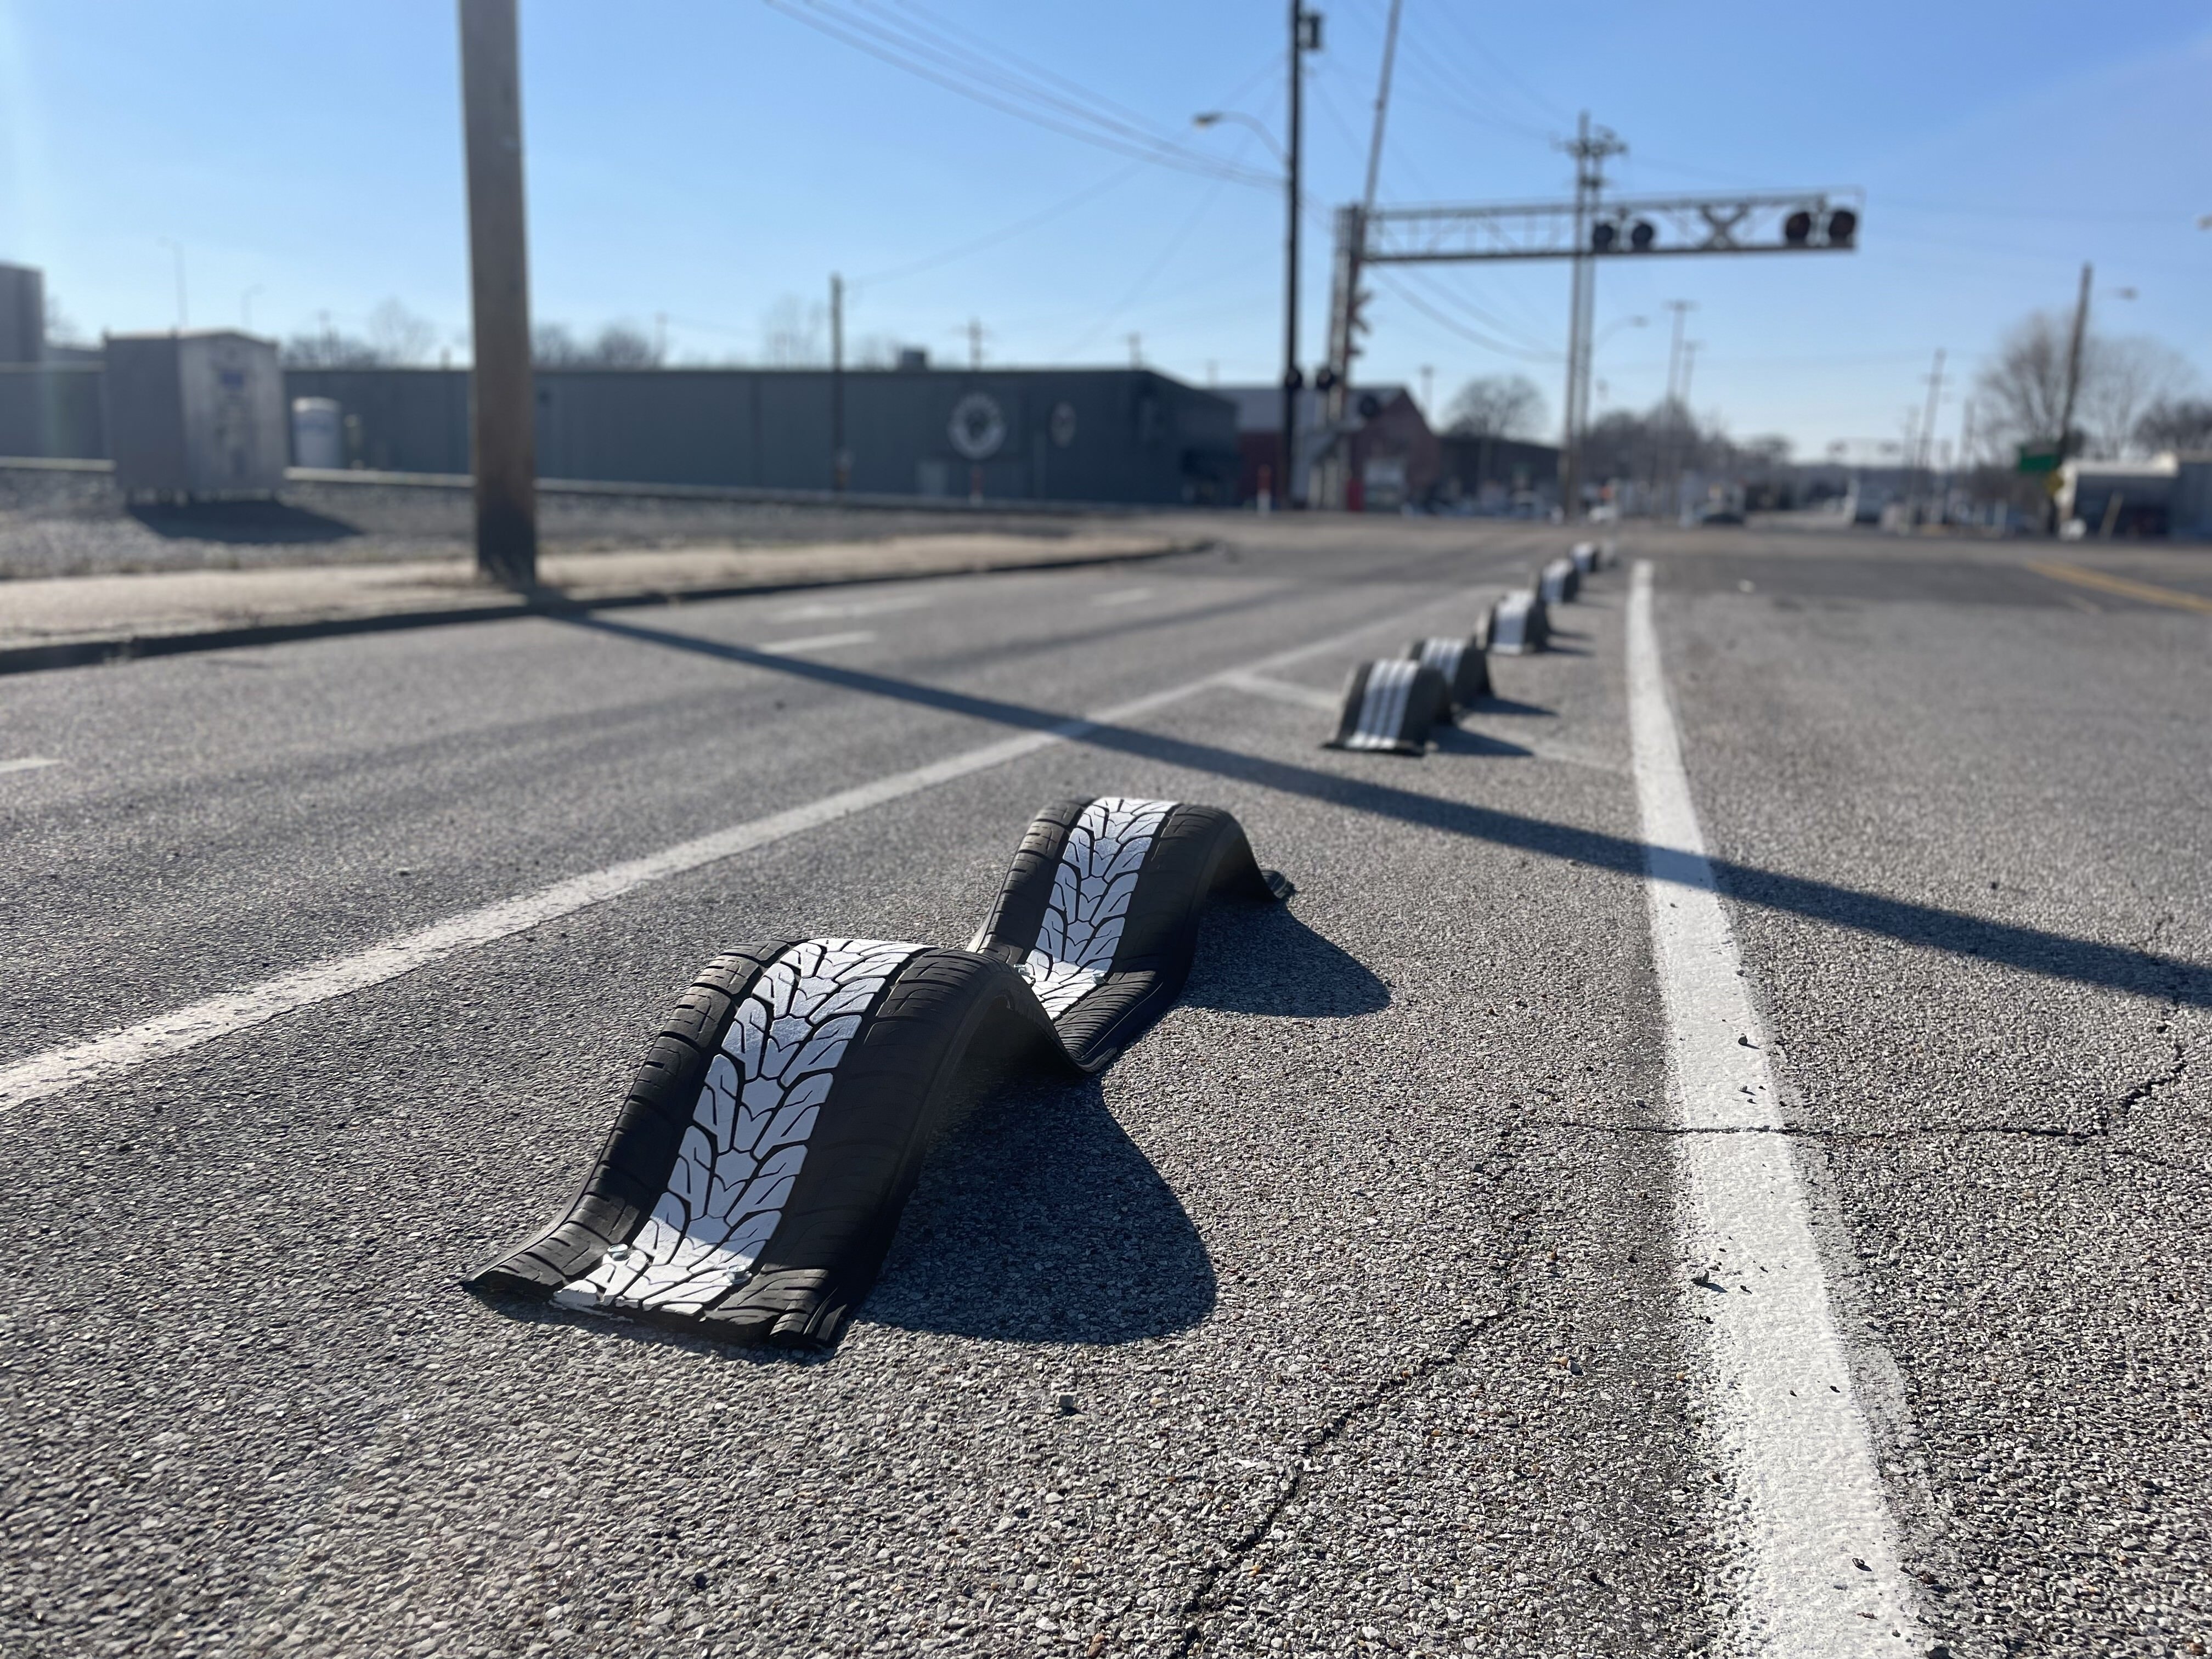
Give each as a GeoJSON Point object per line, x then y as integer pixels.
{"type": "Point", "coordinates": [1602, 236]}
{"type": "Point", "coordinates": [1641, 234]}
{"type": "Point", "coordinates": [1797, 229]}
{"type": "Point", "coordinates": [1842, 225]}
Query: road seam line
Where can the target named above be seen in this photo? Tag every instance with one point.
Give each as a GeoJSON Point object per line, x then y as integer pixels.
{"type": "Point", "coordinates": [1817, 1545]}
{"type": "Point", "coordinates": [111, 1053]}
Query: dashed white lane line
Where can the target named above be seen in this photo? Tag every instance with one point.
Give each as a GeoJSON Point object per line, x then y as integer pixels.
{"type": "Point", "coordinates": [817, 643]}
{"type": "Point", "coordinates": [823, 609]}
{"type": "Point", "coordinates": [1817, 1547]}
{"type": "Point", "coordinates": [28, 764]}
{"type": "Point", "coordinates": [110, 1053]}
{"type": "Point", "coordinates": [1125, 596]}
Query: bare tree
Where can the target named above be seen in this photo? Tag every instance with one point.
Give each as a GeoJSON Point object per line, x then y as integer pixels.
{"type": "Point", "coordinates": [2023, 391]}
{"type": "Point", "coordinates": [792, 333]}
{"type": "Point", "coordinates": [399, 337]}
{"type": "Point", "coordinates": [2021, 394]}
{"type": "Point", "coordinates": [2133, 375]}
{"type": "Point", "coordinates": [1497, 406]}
{"type": "Point", "coordinates": [617, 345]}
{"type": "Point", "coordinates": [2175, 423]}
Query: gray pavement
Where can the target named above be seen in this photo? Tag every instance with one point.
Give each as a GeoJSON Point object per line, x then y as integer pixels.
{"type": "Point", "coordinates": [1359, 1273]}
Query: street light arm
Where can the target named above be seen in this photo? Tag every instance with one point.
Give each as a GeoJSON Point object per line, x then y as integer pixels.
{"type": "Point", "coordinates": [1215, 117]}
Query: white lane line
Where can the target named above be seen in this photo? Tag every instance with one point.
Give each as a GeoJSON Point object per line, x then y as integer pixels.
{"type": "Point", "coordinates": [1298, 696]}
{"type": "Point", "coordinates": [1817, 1547]}
{"type": "Point", "coordinates": [1125, 596]}
{"type": "Point", "coordinates": [111, 1053]}
{"type": "Point", "coordinates": [816, 642]}
{"type": "Point", "coordinates": [28, 764]}
{"type": "Point", "coordinates": [823, 609]}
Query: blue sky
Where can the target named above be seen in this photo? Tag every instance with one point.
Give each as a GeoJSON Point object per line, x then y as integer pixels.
{"type": "Point", "coordinates": [703, 161]}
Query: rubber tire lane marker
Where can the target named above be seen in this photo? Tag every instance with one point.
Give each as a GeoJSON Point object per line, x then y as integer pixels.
{"type": "Point", "coordinates": [111, 1053]}
{"type": "Point", "coordinates": [1806, 1501]}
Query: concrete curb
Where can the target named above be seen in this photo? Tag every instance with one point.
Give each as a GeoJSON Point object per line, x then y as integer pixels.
{"type": "Point", "coordinates": [127, 647]}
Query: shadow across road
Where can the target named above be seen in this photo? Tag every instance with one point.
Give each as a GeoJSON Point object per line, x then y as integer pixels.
{"type": "Point", "coordinates": [2030, 950]}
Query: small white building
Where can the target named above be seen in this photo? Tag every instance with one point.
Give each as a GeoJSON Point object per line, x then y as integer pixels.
{"type": "Point", "coordinates": [2166, 495]}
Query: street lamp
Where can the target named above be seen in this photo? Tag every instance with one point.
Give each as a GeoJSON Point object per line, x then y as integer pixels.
{"type": "Point", "coordinates": [1288, 161]}
{"type": "Point", "coordinates": [1619, 325]}
{"type": "Point", "coordinates": [1215, 117]}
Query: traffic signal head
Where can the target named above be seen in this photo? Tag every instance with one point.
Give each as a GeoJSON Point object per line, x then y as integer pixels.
{"type": "Point", "coordinates": [1641, 234]}
{"type": "Point", "coordinates": [1842, 225]}
{"type": "Point", "coordinates": [1797, 229]}
{"type": "Point", "coordinates": [1602, 235]}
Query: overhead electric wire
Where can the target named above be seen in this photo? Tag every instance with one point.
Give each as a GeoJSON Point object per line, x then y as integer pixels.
{"type": "Point", "coordinates": [1004, 233]}
{"type": "Point", "coordinates": [1000, 90]}
{"type": "Point", "coordinates": [1537, 100]}
{"type": "Point", "coordinates": [1412, 297]}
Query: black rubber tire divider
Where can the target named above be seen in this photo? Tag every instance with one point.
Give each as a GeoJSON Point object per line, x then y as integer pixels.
{"type": "Point", "coordinates": [1519, 623]}
{"type": "Point", "coordinates": [1389, 707]}
{"type": "Point", "coordinates": [1558, 582]}
{"type": "Point", "coordinates": [757, 1169]}
{"type": "Point", "coordinates": [1460, 664]}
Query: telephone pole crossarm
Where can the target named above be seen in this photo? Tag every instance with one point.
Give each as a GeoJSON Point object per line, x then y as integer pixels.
{"type": "Point", "coordinates": [1777, 222]}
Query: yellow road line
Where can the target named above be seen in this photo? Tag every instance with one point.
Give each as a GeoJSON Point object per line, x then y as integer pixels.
{"type": "Point", "coordinates": [2134, 590]}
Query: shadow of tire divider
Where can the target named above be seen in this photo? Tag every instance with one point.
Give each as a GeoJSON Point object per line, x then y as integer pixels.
{"type": "Point", "coordinates": [1390, 705]}
{"type": "Point", "coordinates": [756, 1172]}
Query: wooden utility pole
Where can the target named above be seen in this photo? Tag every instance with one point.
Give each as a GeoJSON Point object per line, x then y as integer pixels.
{"type": "Point", "coordinates": [503, 439]}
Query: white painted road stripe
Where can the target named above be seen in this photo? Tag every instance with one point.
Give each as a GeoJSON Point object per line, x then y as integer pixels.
{"type": "Point", "coordinates": [28, 764]}
{"type": "Point", "coordinates": [823, 609]}
{"type": "Point", "coordinates": [1818, 1548]}
{"type": "Point", "coordinates": [816, 642]}
{"type": "Point", "coordinates": [1298, 696]}
{"type": "Point", "coordinates": [1125, 596]}
{"type": "Point", "coordinates": [113, 1053]}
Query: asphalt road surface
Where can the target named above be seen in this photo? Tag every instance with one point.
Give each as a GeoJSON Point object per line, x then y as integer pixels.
{"type": "Point", "coordinates": [1438, 1277]}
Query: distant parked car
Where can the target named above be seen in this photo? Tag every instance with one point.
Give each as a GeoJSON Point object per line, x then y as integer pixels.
{"type": "Point", "coordinates": [1720, 515]}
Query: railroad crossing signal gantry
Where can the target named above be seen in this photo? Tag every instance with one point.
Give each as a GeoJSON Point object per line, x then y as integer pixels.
{"type": "Point", "coordinates": [1590, 228]}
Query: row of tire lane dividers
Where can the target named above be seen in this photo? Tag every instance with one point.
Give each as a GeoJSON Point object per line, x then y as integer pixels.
{"type": "Point", "coordinates": [777, 1123]}
{"type": "Point", "coordinates": [1393, 705]}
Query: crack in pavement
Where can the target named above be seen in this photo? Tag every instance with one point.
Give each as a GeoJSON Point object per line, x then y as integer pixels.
{"type": "Point", "coordinates": [1204, 1602]}
{"type": "Point", "coordinates": [2119, 1114]}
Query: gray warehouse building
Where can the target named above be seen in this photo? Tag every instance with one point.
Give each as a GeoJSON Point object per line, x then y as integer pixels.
{"type": "Point", "coordinates": [1067, 434]}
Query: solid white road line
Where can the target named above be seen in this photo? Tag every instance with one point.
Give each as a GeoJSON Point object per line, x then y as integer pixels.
{"type": "Point", "coordinates": [1820, 1577]}
{"type": "Point", "coordinates": [1298, 696]}
{"type": "Point", "coordinates": [816, 642]}
{"type": "Point", "coordinates": [113, 1053]}
{"type": "Point", "coordinates": [28, 764]}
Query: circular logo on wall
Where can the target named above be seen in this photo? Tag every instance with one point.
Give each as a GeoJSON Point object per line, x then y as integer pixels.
{"type": "Point", "coordinates": [1063, 424]}
{"type": "Point", "coordinates": [978, 426]}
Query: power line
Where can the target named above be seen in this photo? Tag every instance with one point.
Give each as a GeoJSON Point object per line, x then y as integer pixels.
{"type": "Point", "coordinates": [997, 88]}
{"type": "Point", "coordinates": [1392, 280]}
{"type": "Point", "coordinates": [1006, 232]}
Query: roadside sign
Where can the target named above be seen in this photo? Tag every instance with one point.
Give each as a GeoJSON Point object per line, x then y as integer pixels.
{"type": "Point", "coordinates": [2037, 460]}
